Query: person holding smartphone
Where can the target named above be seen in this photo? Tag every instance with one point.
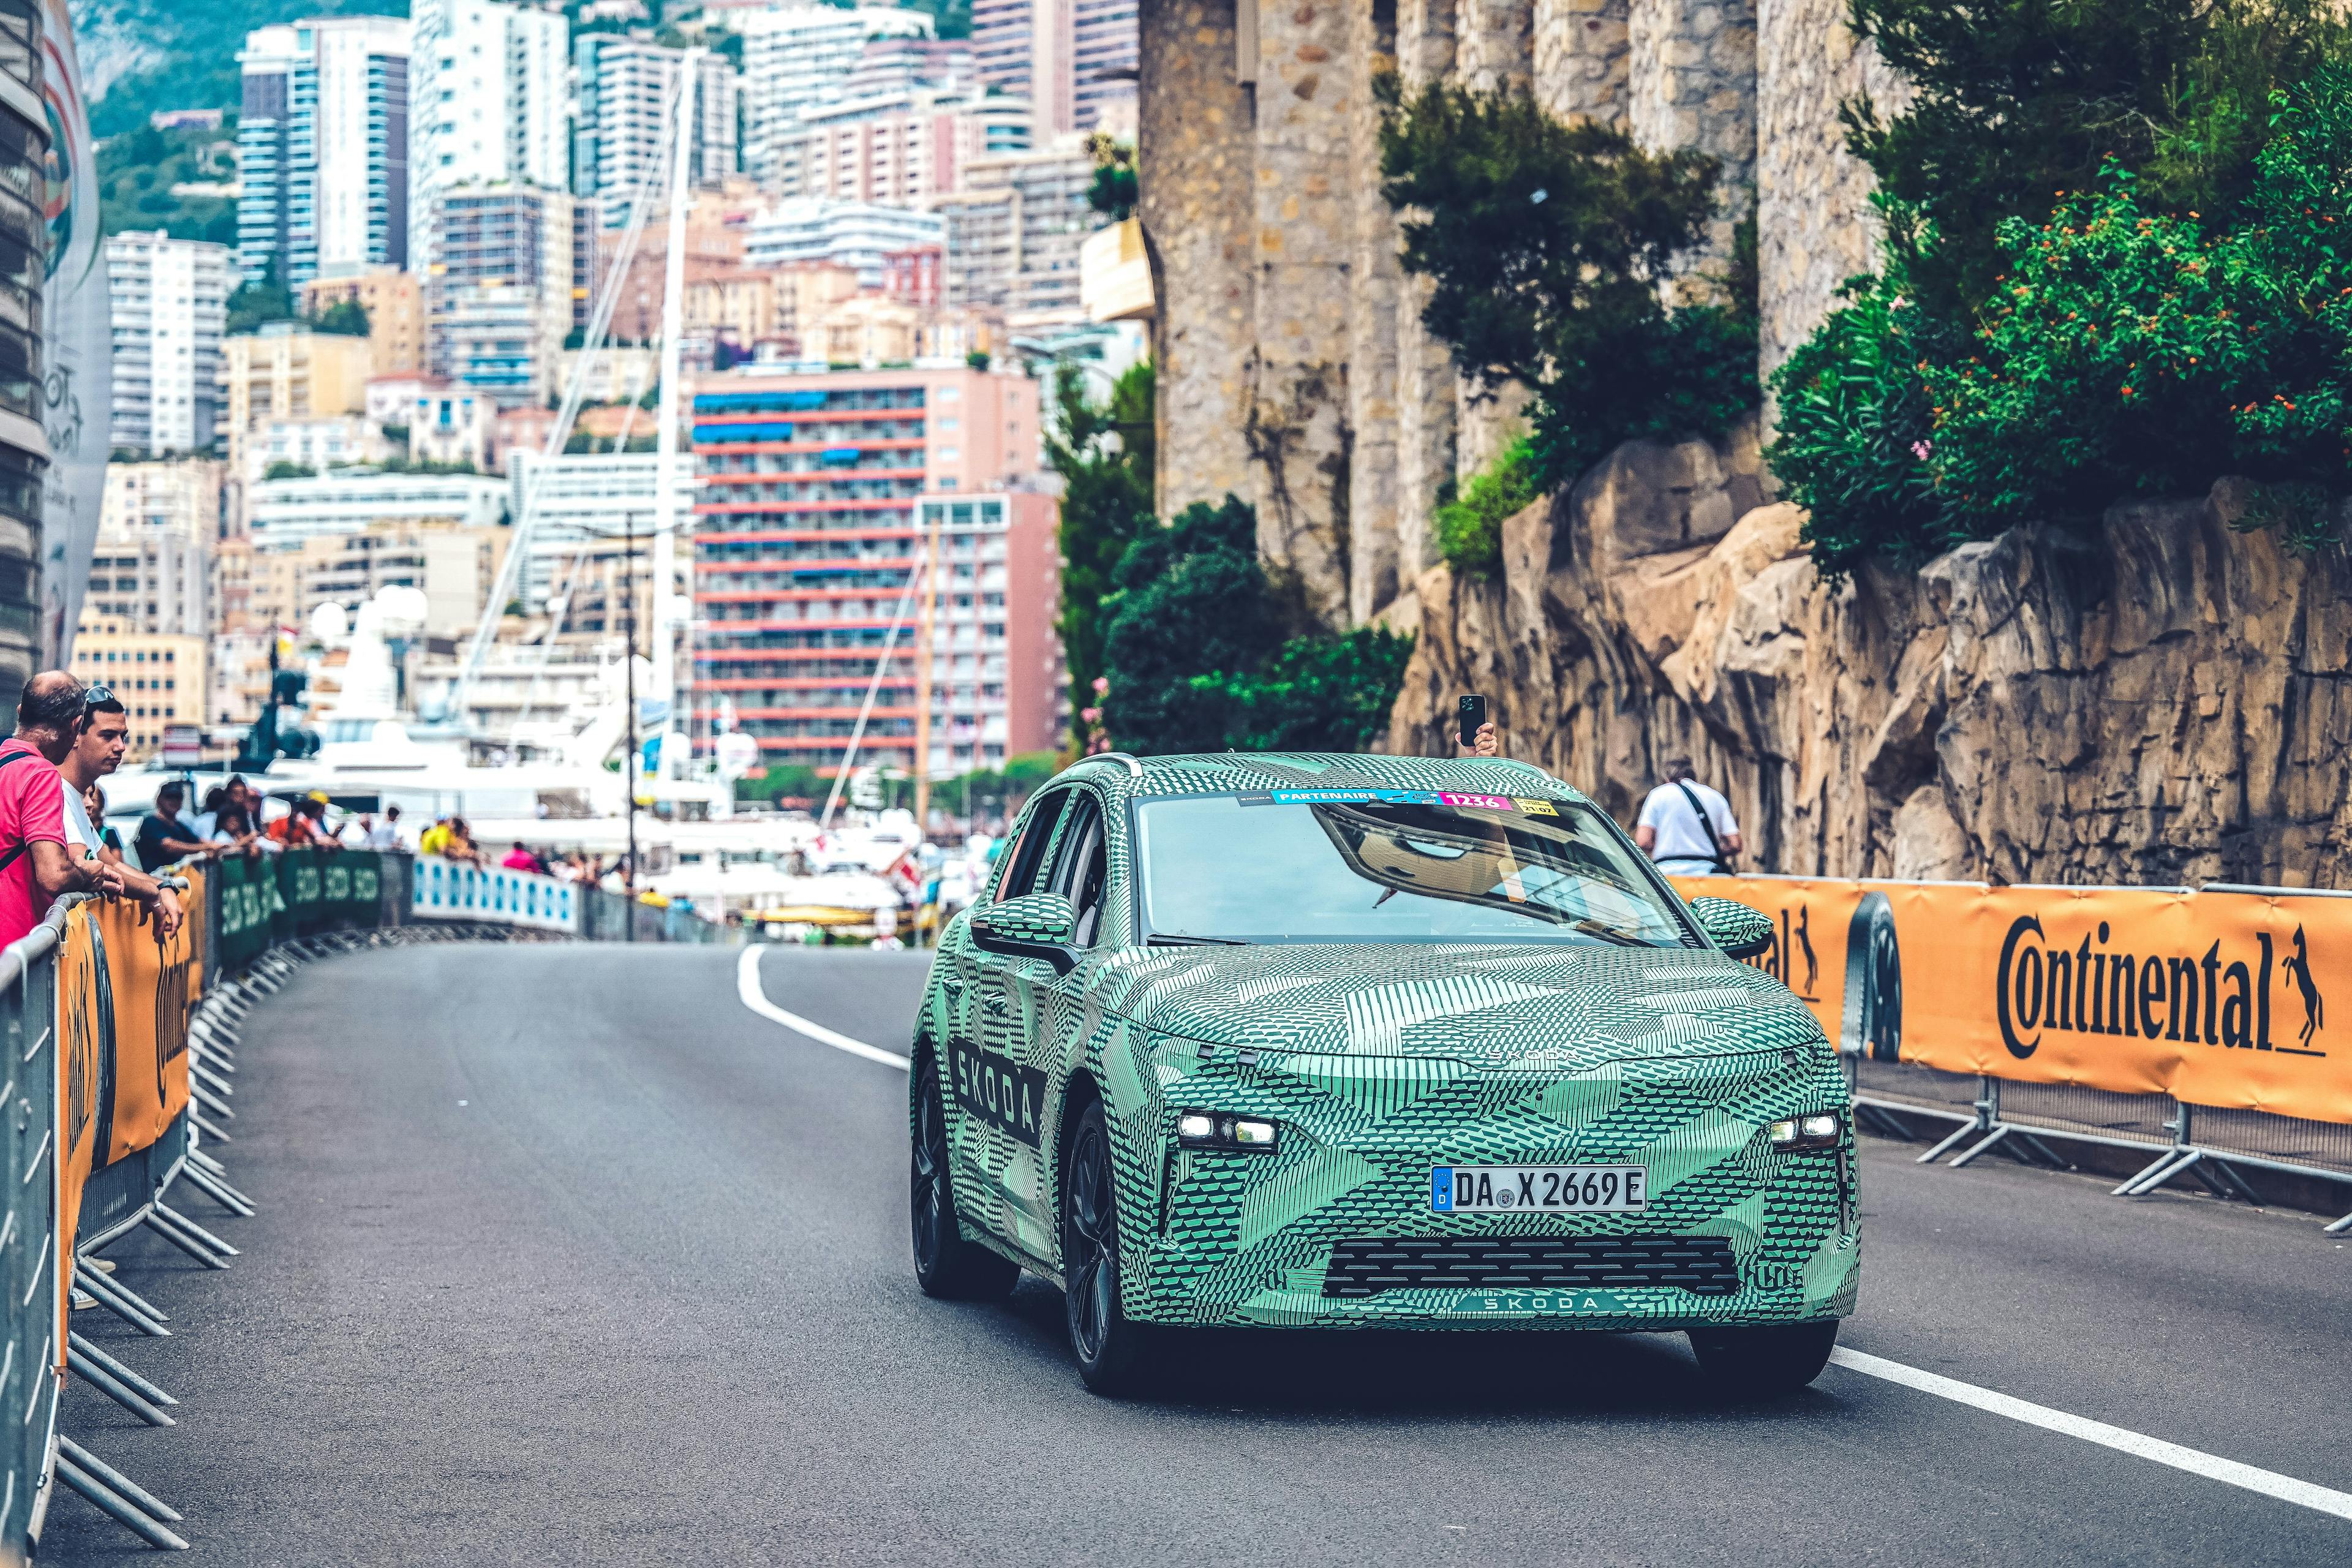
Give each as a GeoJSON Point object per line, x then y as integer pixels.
{"type": "Point", "coordinates": [1473, 733]}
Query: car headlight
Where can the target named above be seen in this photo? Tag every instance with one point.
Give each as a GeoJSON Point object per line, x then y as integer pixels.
{"type": "Point", "coordinates": [1219, 1130]}
{"type": "Point", "coordinates": [1818, 1131]}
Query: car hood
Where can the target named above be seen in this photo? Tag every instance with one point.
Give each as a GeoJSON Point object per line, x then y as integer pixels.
{"type": "Point", "coordinates": [1511, 1006]}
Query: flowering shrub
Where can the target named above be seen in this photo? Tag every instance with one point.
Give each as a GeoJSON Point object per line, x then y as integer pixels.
{"type": "Point", "coordinates": [2122, 350]}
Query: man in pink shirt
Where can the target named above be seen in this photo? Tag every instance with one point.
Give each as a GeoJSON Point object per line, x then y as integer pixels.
{"type": "Point", "coordinates": [521, 859]}
{"type": "Point", "coordinates": [35, 865]}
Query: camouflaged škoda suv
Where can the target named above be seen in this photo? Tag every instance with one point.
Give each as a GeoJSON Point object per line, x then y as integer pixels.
{"type": "Point", "coordinates": [1326, 1041]}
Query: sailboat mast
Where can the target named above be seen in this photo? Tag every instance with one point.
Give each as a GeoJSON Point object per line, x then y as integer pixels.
{"type": "Point", "coordinates": [666, 616]}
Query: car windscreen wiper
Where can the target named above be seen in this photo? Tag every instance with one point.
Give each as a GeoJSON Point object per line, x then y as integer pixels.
{"type": "Point", "coordinates": [1170, 939]}
{"type": "Point", "coordinates": [1610, 933]}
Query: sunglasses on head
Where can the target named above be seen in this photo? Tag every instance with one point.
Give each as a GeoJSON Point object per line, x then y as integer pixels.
{"type": "Point", "coordinates": [96, 696]}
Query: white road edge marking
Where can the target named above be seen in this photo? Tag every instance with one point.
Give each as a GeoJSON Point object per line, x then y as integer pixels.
{"type": "Point", "coordinates": [2286, 1489]}
{"type": "Point", "coordinates": [755, 997]}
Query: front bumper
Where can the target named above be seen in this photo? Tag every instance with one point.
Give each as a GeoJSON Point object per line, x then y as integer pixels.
{"type": "Point", "coordinates": [1768, 1236]}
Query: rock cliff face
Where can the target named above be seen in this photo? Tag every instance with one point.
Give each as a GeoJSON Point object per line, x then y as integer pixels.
{"type": "Point", "coordinates": [2164, 701]}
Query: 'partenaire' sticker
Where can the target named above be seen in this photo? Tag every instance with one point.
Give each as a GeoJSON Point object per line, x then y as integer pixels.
{"type": "Point", "coordinates": [1341, 797]}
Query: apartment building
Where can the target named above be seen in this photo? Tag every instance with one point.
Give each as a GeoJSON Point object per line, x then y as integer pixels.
{"type": "Point", "coordinates": [807, 532]}
{"type": "Point", "coordinates": [455, 566]}
{"type": "Point", "coordinates": [348, 500]}
{"type": "Point", "coordinates": [493, 104]}
{"type": "Point", "coordinates": [798, 57]}
{"type": "Point", "coordinates": [1075, 59]}
{"type": "Point", "coordinates": [394, 307]}
{"type": "Point", "coordinates": [160, 677]}
{"type": "Point", "coordinates": [591, 548]}
{"type": "Point", "coordinates": [315, 443]}
{"type": "Point", "coordinates": [24, 449]}
{"type": "Point", "coordinates": [286, 371]}
{"type": "Point", "coordinates": [624, 90]}
{"type": "Point", "coordinates": [1000, 684]}
{"type": "Point", "coordinates": [858, 235]}
{"type": "Point", "coordinates": [904, 148]}
{"type": "Point", "coordinates": [322, 147]}
{"type": "Point", "coordinates": [498, 302]}
{"type": "Point", "coordinates": [153, 581]}
{"type": "Point", "coordinates": [169, 301]}
{"type": "Point", "coordinates": [1013, 234]}
{"type": "Point", "coordinates": [180, 495]}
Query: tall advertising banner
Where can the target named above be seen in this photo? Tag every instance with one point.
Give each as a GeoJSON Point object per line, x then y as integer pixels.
{"type": "Point", "coordinates": [154, 988]}
{"type": "Point", "coordinates": [78, 386]}
{"type": "Point", "coordinates": [2215, 998]}
{"type": "Point", "coordinates": [84, 1029]}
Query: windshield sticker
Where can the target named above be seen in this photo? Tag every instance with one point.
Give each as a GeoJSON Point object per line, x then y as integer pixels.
{"type": "Point", "coordinates": [1480, 802]}
{"type": "Point", "coordinates": [1536, 807]}
{"type": "Point", "coordinates": [1342, 797]}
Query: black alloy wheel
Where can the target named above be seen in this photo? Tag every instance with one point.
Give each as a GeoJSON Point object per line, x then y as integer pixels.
{"type": "Point", "coordinates": [1113, 1354]}
{"type": "Point", "coordinates": [947, 1264]}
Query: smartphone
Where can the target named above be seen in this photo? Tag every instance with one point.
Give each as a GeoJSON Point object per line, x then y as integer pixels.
{"type": "Point", "coordinates": [1474, 715]}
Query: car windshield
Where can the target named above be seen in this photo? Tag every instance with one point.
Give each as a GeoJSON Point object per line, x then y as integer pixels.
{"type": "Point", "coordinates": [1394, 866]}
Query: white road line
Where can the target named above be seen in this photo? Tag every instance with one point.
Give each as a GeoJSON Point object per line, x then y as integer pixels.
{"type": "Point", "coordinates": [2286, 1489]}
{"type": "Point", "coordinates": [755, 997]}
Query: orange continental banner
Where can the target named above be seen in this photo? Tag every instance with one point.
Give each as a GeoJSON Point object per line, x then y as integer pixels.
{"type": "Point", "coordinates": [153, 984]}
{"type": "Point", "coordinates": [2215, 998]}
{"type": "Point", "coordinates": [84, 1024]}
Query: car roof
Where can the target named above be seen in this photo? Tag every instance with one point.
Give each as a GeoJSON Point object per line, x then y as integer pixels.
{"type": "Point", "coordinates": [1211, 772]}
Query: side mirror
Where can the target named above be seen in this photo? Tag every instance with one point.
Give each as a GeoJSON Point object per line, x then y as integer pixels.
{"type": "Point", "coordinates": [1035, 925]}
{"type": "Point", "coordinates": [1734, 927]}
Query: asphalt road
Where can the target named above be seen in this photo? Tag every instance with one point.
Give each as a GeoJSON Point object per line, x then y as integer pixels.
{"type": "Point", "coordinates": [567, 1257]}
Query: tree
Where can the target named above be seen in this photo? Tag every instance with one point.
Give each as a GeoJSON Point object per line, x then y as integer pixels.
{"type": "Point", "coordinates": [1104, 454]}
{"type": "Point", "coordinates": [1316, 694]}
{"type": "Point", "coordinates": [281, 470]}
{"type": "Point", "coordinates": [256, 303]}
{"type": "Point", "coordinates": [345, 318]}
{"type": "Point", "coordinates": [1115, 190]}
{"type": "Point", "coordinates": [1548, 247]}
{"type": "Point", "coordinates": [1189, 599]}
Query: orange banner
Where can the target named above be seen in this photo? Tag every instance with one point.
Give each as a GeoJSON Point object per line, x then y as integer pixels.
{"type": "Point", "coordinates": [154, 986]}
{"type": "Point", "coordinates": [84, 1023]}
{"type": "Point", "coordinates": [2215, 998]}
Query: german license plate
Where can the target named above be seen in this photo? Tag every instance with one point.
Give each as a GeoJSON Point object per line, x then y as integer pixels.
{"type": "Point", "coordinates": [1546, 1189]}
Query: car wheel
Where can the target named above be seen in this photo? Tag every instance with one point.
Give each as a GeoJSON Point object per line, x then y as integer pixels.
{"type": "Point", "coordinates": [1114, 1354]}
{"type": "Point", "coordinates": [1764, 1364]}
{"type": "Point", "coordinates": [947, 1264]}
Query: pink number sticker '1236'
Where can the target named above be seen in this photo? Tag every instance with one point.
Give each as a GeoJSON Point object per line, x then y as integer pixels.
{"type": "Point", "coordinates": [1482, 801]}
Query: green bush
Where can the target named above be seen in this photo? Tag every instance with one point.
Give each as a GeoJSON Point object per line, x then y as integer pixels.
{"type": "Point", "coordinates": [1317, 693]}
{"type": "Point", "coordinates": [1548, 248]}
{"type": "Point", "coordinates": [1188, 599]}
{"type": "Point", "coordinates": [1470, 526]}
{"type": "Point", "coordinates": [2123, 351]}
{"type": "Point", "coordinates": [345, 318]}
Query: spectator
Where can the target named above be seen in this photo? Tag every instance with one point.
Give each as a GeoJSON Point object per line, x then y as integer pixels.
{"type": "Point", "coordinates": [436, 838]}
{"type": "Point", "coordinates": [208, 819]}
{"type": "Point", "coordinates": [461, 847]}
{"type": "Point", "coordinates": [233, 832]}
{"type": "Point", "coordinates": [1687, 827]}
{"type": "Point", "coordinates": [35, 865]}
{"type": "Point", "coordinates": [521, 859]}
{"type": "Point", "coordinates": [163, 836]}
{"type": "Point", "coordinates": [385, 834]}
{"type": "Point", "coordinates": [97, 751]}
{"type": "Point", "coordinates": [305, 825]}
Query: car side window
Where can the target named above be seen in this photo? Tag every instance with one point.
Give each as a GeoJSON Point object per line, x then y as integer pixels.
{"type": "Point", "coordinates": [1080, 867]}
{"type": "Point", "coordinates": [1029, 853]}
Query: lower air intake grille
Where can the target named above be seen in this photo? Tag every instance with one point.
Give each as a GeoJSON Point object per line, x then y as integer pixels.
{"type": "Point", "coordinates": [1701, 1265]}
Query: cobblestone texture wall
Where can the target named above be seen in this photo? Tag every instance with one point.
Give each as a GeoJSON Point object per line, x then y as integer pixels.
{"type": "Point", "coordinates": [1814, 224]}
{"type": "Point", "coordinates": [1294, 369]}
{"type": "Point", "coordinates": [1198, 200]}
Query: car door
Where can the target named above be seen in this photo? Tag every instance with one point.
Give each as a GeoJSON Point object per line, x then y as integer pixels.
{"type": "Point", "coordinates": [996, 1065]}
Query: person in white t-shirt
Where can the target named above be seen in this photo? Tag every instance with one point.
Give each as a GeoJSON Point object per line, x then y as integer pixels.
{"type": "Point", "coordinates": [1685, 827]}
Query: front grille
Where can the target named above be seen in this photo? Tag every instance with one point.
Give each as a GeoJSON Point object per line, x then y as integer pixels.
{"type": "Point", "coordinates": [1701, 1265]}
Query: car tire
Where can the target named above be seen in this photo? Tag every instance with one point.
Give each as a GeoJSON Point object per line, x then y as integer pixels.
{"type": "Point", "coordinates": [1115, 1354]}
{"type": "Point", "coordinates": [1765, 1363]}
{"type": "Point", "coordinates": [947, 1264]}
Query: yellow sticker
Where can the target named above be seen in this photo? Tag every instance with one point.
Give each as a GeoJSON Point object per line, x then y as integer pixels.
{"type": "Point", "coordinates": [1535, 807]}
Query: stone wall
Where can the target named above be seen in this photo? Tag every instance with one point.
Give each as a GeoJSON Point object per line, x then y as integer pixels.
{"type": "Point", "coordinates": [2160, 703]}
{"type": "Point", "coordinates": [1294, 370]}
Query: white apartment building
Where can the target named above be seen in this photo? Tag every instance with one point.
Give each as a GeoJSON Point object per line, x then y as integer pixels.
{"type": "Point", "coordinates": [798, 57]}
{"type": "Point", "coordinates": [322, 147]}
{"type": "Point", "coordinates": [904, 148]}
{"type": "Point", "coordinates": [151, 581]}
{"type": "Point", "coordinates": [181, 496]}
{"type": "Point", "coordinates": [490, 101]}
{"type": "Point", "coordinates": [283, 510]}
{"type": "Point", "coordinates": [1013, 232]}
{"type": "Point", "coordinates": [168, 298]}
{"type": "Point", "coordinates": [625, 87]}
{"type": "Point", "coordinates": [317, 442]}
{"type": "Point", "coordinates": [852, 234]}
{"type": "Point", "coordinates": [596, 499]}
